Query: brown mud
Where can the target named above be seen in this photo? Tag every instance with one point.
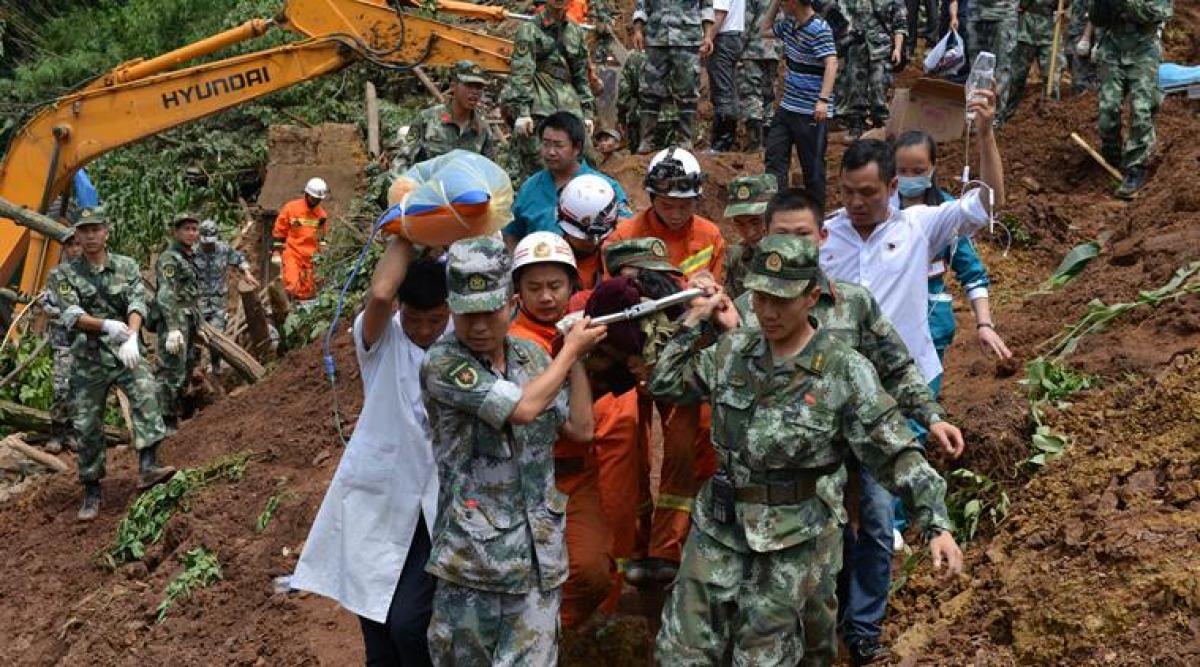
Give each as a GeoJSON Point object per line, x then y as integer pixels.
{"type": "Point", "coordinates": [1097, 562]}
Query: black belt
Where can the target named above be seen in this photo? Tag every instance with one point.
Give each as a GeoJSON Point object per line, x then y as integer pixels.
{"type": "Point", "coordinates": [800, 485]}
{"type": "Point", "coordinates": [805, 68]}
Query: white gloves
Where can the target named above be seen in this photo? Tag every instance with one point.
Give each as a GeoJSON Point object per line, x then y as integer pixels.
{"type": "Point", "coordinates": [174, 341]}
{"type": "Point", "coordinates": [523, 126]}
{"type": "Point", "coordinates": [116, 331]}
{"type": "Point", "coordinates": [1083, 48]}
{"type": "Point", "coordinates": [129, 353]}
{"type": "Point", "coordinates": [589, 125]}
{"type": "Point", "coordinates": [276, 260]}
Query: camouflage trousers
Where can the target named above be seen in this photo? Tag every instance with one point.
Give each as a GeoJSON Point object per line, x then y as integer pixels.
{"type": "Point", "coordinates": [672, 73]}
{"type": "Point", "coordinates": [862, 86]}
{"type": "Point", "coordinates": [60, 409]}
{"type": "Point", "coordinates": [996, 37]}
{"type": "Point", "coordinates": [173, 372]}
{"type": "Point", "coordinates": [1084, 75]}
{"type": "Point", "coordinates": [1023, 57]}
{"type": "Point", "coordinates": [756, 88]}
{"type": "Point", "coordinates": [1129, 68]}
{"type": "Point", "coordinates": [90, 382]}
{"type": "Point", "coordinates": [218, 318]}
{"type": "Point", "coordinates": [472, 628]}
{"type": "Point", "coordinates": [755, 606]}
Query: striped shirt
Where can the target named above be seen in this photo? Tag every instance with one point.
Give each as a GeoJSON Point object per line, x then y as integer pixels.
{"type": "Point", "coordinates": [806, 46]}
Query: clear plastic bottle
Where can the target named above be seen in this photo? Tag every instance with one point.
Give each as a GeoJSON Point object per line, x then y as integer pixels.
{"type": "Point", "coordinates": [982, 77]}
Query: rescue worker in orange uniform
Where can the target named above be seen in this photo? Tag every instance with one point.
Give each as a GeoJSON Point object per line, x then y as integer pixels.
{"type": "Point", "coordinates": [544, 275]}
{"type": "Point", "coordinates": [694, 245]}
{"type": "Point", "coordinates": [298, 233]}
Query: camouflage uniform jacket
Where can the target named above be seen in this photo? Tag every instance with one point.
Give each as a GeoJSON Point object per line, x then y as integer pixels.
{"type": "Point", "coordinates": [1143, 17]}
{"type": "Point", "coordinates": [755, 45]}
{"type": "Point", "coordinates": [995, 10]}
{"type": "Point", "coordinates": [849, 313]}
{"type": "Point", "coordinates": [879, 21]}
{"type": "Point", "coordinates": [549, 68]}
{"type": "Point", "coordinates": [1035, 23]}
{"type": "Point", "coordinates": [60, 336]}
{"type": "Point", "coordinates": [212, 272]}
{"type": "Point", "coordinates": [177, 291]}
{"type": "Point", "coordinates": [737, 262]}
{"type": "Point", "coordinates": [673, 22]}
{"type": "Point", "coordinates": [772, 420]}
{"type": "Point", "coordinates": [434, 133]}
{"type": "Point", "coordinates": [111, 292]}
{"type": "Point", "coordinates": [500, 516]}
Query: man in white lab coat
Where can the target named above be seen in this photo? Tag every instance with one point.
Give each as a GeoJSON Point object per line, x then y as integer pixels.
{"type": "Point", "coordinates": [370, 541]}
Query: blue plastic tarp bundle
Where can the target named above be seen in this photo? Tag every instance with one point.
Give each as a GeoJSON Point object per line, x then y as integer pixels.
{"type": "Point", "coordinates": [1175, 78]}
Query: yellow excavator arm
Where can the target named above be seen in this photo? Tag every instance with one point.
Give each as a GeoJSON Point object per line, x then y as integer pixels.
{"type": "Point", "coordinates": [142, 97]}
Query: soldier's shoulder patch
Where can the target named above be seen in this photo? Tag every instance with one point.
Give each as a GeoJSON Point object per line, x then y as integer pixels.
{"type": "Point", "coordinates": [169, 270]}
{"type": "Point", "coordinates": [463, 375]}
{"type": "Point", "coordinates": [64, 287]}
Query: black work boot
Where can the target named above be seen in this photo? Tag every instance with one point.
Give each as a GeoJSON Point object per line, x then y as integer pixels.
{"type": "Point", "coordinates": [864, 651]}
{"type": "Point", "coordinates": [647, 124]}
{"type": "Point", "coordinates": [1135, 180]}
{"type": "Point", "coordinates": [754, 135]}
{"type": "Point", "coordinates": [91, 502]}
{"type": "Point", "coordinates": [687, 129]}
{"type": "Point", "coordinates": [149, 472]}
{"type": "Point", "coordinates": [855, 126]}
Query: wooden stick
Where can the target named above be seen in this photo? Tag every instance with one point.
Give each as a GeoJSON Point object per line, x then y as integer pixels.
{"type": "Point", "coordinates": [237, 357]}
{"type": "Point", "coordinates": [16, 443]}
{"type": "Point", "coordinates": [1096, 156]}
{"type": "Point", "coordinates": [25, 418]}
{"type": "Point", "coordinates": [373, 148]}
{"type": "Point", "coordinates": [429, 84]}
{"type": "Point", "coordinates": [256, 321]}
{"type": "Point", "coordinates": [33, 220]}
{"type": "Point", "coordinates": [1058, 21]}
{"type": "Point", "coordinates": [24, 364]}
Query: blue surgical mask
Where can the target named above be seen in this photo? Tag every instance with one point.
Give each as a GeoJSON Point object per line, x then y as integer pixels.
{"type": "Point", "coordinates": [915, 186]}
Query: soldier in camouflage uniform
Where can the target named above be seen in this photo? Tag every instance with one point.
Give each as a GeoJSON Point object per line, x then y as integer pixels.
{"type": "Point", "coordinates": [756, 77]}
{"type": "Point", "coordinates": [1035, 37]}
{"type": "Point", "coordinates": [549, 68]}
{"type": "Point", "coordinates": [790, 402]}
{"type": "Point", "coordinates": [1083, 70]}
{"type": "Point", "coordinates": [673, 32]}
{"type": "Point", "coordinates": [1129, 53]}
{"type": "Point", "coordinates": [213, 259]}
{"type": "Point", "coordinates": [459, 123]}
{"type": "Point", "coordinates": [496, 404]}
{"type": "Point", "coordinates": [992, 27]}
{"type": "Point", "coordinates": [748, 197]}
{"type": "Point", "coordinates": [177, 299]}
{"type": "Point", "coordinates": [874, 45]}
{"type": "Point", "coordinates": [61, 431]}
{"type": "Point", "coordinates": [628, 87]}
{"type": "Point", "coordinates": [103, 304]}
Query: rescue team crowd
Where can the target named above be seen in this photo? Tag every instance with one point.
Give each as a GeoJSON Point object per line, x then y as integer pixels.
{"type": "Point", "coordinates": [497, 486]}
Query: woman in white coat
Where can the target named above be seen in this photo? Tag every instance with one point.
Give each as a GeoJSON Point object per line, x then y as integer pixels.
{"type": "Point", "coordinates": [369, 543]}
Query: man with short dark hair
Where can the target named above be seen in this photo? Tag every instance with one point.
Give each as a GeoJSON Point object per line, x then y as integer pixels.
{"type": "Point", "coordinates": [177, 298]}
{"type": "Point", "coordinates": [536, 207]}
{"type": "Point", "coordinates": [369, 544]}
{"type": "Point", "coordinates": [457, 123]}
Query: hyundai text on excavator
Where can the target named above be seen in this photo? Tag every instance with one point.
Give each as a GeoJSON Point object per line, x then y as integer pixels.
{"type": "Point", "coordinates": [142, 97]}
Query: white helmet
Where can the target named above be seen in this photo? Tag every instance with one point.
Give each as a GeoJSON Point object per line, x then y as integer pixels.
{"type": "Point", "coordinates": [316, 187]}
{"type": "Point", "coordinates": [674, 172]}
{"type": "Point", "coordinates": [587, 208]}
{"type": "Point", "coordinates": [541, 247]}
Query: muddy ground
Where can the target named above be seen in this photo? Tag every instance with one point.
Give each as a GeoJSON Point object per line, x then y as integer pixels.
{"type": "Point", "coordinates": [1097, 562]}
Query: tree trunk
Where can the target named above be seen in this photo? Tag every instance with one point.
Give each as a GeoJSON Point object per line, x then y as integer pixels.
{"type": "Point", "coordinates": [237, 357]}
{"type": "Point", "coordinates": [256, 322]}
{"type": "Point", "coordinates": [22, 418]}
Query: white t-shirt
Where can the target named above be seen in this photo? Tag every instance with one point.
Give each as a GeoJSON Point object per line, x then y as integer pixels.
{"type": "Point", "coordinates": [893, 262]}
{"type": "Point", "coordinates": [735, 19]}
{"type": "Point", "coordinates": [387, 476]}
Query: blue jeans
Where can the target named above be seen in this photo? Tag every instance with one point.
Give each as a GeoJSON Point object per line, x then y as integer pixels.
{"type": "Point", "coordinates": [866, 576]}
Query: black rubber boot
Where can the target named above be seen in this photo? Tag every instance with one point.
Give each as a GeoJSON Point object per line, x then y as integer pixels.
{"type": "Point", "coordinates": [647, 125]}
{"type": "Point", "coordinates": [149, 472]}
{"type": "Point", "coordinates": [1135, 180]}
{"type": "Point", "coordinates": [91, 502]}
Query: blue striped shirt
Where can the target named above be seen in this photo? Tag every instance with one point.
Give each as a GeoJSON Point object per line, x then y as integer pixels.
{"type": "Point", "coordinates": [808, 44]}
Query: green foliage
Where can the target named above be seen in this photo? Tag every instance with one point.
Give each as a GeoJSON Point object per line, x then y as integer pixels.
{"type": "Point", "coordinates": [35, 388]}
{"type": "Point", "coordinates": [972, 497]}
{"type": "Point", "coordinates": [1053, 381]}
{"type": "Point", "coordinates": [1072, 265]}
{"type": "Point", "coordinates": [1021, 237]}
{"type": "Point", "coordinates": [147, 517]}
{"type": "Point", "coordinates": [200, 570]}
{"type": "Point", "coordinates": [311, 322]}
{"type": "Point", "coordinates": [268, 513]}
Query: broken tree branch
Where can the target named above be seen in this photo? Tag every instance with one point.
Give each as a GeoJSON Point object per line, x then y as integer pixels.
{"type": "Point", "coordinates": [429, 85]}
{"type": "Point", "coordinates": [24, 364]}
{"type": "Point", "coordinates": [17, 443]}
{"type": "Point", "coordinates": [33, 220]}
{"type": "Point", "coordinates": [237, 357]}
{"type": "Point", "coordinates": [23, 418]}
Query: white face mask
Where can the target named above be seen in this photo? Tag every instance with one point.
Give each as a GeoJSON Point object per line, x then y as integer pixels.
{"type": "Point", "coordinates": [915, 186]}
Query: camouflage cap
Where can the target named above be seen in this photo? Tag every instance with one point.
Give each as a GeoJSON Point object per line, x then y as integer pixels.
{"type": "Point", "coordinates": [468, 71]}
{"type": "Point", "coordinates": [748, 195]}
{"type": "Point", "coordinates": [785, 266]}
{"type": "Point", "coordinates": [644, 253]}
{"type": "Point", "coordinates": [608, 131]}
{"type": "Point", "coordinates": [185, 216]}
{"type": "Point", "coordinates": [477, 275]}
{"type": "Point", "coordinates": [89, 216]}
{"type": "Point", "coordinates": [209, 231]}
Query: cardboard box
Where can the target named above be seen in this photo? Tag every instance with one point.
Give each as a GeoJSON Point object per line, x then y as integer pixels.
{"type": "Point", "coordinates": [933, 105]}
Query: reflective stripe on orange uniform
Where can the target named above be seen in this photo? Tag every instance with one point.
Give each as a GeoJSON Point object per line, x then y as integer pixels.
{"type": "Point", "coordinates": [589, 558]}
{"type": "Point", "coordinates": [297, 234]}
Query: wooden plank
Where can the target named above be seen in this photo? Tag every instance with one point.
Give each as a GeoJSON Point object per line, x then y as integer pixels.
{"type": "Point", "coordinates": [373, 148]}
{"type": "Point", "coordinates": [1096, 156]}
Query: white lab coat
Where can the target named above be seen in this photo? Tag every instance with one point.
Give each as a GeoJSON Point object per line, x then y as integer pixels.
{"type": "Point", "coordinates": [360, 539]}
